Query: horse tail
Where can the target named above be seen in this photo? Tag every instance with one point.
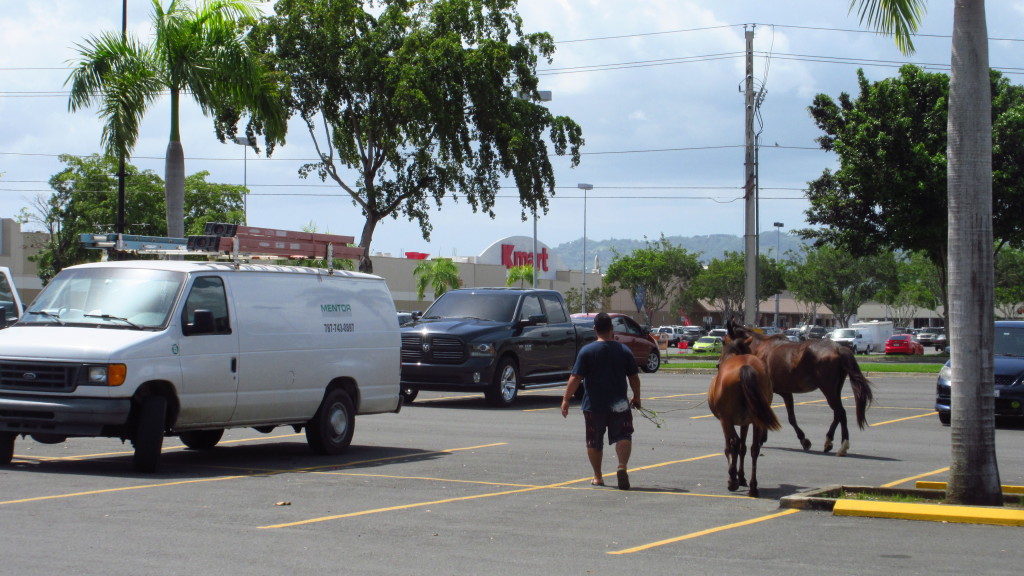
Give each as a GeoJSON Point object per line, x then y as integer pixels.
{"type": "Point", "coordinates": [760, 407]}
{"type": "Point", "coordinates": [862, 393]}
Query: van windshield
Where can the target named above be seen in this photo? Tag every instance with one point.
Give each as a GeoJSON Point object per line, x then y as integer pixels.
{"type": "Point", "coordinates": [107, 297]}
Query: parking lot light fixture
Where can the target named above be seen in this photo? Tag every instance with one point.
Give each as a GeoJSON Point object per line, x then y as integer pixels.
{"type": "Point", "coordinates": [584, 187]}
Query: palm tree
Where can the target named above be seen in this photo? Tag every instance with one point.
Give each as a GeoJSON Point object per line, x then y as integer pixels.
{"type": "Point", "coordinates": [974, 472]}
{"type": "Point", "coordinates": [196, 51]}
{"type": "Point", "coordinates": [440, 274]}
{"type": "Point", "coordinates": [521, 274]}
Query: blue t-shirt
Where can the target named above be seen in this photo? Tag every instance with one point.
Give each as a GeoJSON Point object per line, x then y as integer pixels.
{"type": "Point", "coordinates": [604, 366]}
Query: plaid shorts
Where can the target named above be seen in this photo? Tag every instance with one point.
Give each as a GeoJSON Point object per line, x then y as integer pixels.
{"type": "Point", "coordinates": [618, 424]}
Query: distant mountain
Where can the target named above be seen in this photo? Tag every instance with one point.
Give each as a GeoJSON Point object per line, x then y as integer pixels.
{"type": "Point", "coordinates": [709, 247]}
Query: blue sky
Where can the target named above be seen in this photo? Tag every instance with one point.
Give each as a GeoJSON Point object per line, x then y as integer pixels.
{"type": "Point", "coordinates": [655, 85]}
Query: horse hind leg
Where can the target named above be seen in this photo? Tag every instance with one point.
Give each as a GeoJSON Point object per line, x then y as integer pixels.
{"type": "Point", "coordinates": [838, 420]}
{"type": "Point", "coordinates": [740, 476]}
{"type": "Point", "coordinates": [805, 443]}
{"type": "Point", "coordinates": [755, 451]}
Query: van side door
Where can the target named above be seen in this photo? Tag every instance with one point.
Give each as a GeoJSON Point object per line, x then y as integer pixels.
{"type": "Point", "coordinates": [208, 355]}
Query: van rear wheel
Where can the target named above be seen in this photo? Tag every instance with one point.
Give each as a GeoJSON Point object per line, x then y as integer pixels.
{"type": "Point", "coordinates": [149, 436]}
{"type": "Point", "coordinates": [6, 447]}
{"type": "Point", "coordinates": [201, 439]}
{"type": "Point", "coordinates": [330, 430]}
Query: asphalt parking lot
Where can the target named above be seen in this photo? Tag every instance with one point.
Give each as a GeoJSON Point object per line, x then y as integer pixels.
{"type": "Point", "coordinates": [453, 486]}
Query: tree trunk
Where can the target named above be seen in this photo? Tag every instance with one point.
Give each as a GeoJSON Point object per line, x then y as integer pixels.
{"type": "Point", "coordinates": [974, 473]}
{"type": "Point", "coordinates": [174, 189]}
{"type": "Point", "coordinates": [365, 264]}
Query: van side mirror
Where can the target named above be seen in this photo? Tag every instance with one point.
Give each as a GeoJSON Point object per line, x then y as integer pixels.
{"type": "Point", "coordinates": [202, 323]}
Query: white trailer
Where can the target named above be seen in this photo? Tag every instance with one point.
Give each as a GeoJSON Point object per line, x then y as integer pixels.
{"type": "Point", "coordinates": [874, 334]}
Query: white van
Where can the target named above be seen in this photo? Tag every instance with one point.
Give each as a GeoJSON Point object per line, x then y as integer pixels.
{"type": "Point", "coordinates": [142, 349]}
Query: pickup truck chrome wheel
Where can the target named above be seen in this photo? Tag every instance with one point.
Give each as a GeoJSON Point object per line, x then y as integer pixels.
{"type": "Point", "coordinates": [330, 430]}
{"type": "Point", "coordinates": [505, 388]}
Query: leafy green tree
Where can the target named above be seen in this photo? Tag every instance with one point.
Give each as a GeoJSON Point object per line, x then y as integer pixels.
{"type": "Point", "coordinates": [198, 51]}
{"type": "Point", "coordinates": [722, 282]}
{"type": "Point", "coordinates": [839, 280]}
{"type": "Point", "coordinates": [890, 190]}
{"type": "Point", "coordinates": [598, 298]}
{"type": "Point", "coordinates": [422, 100]}
{"type": "Point", "coordinates": [521, 274]}
{"type": "Point", "coordinates": [974, 472]}
{"type": "Point", "coordinates": [917, 281]}
{"type": "Point", "coordinates": [1009, 282]}
{"type": "Point", "coordinates": [661, 271]}
{"type": "Point", "coordinates": [438, 273]}
{"type": "Point", "coordinates": [85, 201]}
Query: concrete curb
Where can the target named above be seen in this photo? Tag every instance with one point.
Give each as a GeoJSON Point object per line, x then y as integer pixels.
{"type": "Point", "coordinates": [930, 512]}
{"type": "Point", "coordinates": [825, 499]}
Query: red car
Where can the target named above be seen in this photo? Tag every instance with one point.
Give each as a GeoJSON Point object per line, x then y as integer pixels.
{"type": "Point", "coordinates": [639, 341]}
{"type": "Point", "coordinates": [903, 344]}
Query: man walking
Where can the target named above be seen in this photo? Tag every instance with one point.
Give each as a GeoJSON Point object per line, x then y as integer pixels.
{"type": "Point", "coordinates": [603, 368]}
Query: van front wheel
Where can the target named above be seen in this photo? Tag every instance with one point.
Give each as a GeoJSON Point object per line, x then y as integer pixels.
{"type": "Point", "coordinates": [6, 447]}
{"type": "Point", "coordinates": [149, 436]}
{"type": "Point", "coordinates": [330, 430]}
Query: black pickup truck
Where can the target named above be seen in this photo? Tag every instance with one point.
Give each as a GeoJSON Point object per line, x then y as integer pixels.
{"type": "Point", "coordinates": [491, 340]}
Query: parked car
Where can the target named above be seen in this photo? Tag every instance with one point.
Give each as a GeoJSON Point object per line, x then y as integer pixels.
{"type": "Point", "coordinates": [720, 332]}
{"type": "Point", "coordinates": [708, 344]}
{"type": "Point", "coordinates": [851, 338]}
{"type": "Point", "coordinates": [770, 330]}
{"type": "Point", "coordinates": [927, 336]}
{"type": "Point", "coordinates": [903, 344]}
{"type": "Point", "coordinates": [691, 334]}
{"type": "Point", "coordinates": [639, 341]}
{"type": "Point", "coordinates": [813, 332]}
{"type": "Point", "coordinates": [673, 333]}
{"type": "Point", "coordinates": [793, 335]}
{"type": "Point", "coordinates": [940, 342]}
{"type": "Point", "coordinates": [1008, 368]}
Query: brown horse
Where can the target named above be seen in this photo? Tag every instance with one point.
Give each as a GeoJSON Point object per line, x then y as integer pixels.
{"type": "Point", "coordinates": [741, 395]}
{"type": "Point", "coordinates": [798, 367]}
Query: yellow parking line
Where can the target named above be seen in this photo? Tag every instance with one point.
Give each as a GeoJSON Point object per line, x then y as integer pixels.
{"type": "Point", "coordinates": [929, 413]}
{"type": "Point", "coordinates": [417, 505]}
{"type": "Point", "coordinates": [121, 489]}
{"type": "Point", "coordinates": [465, 498]}
{"type": "Point", "coordinates": [235, 477]}
{"type": "Point", "coordinates": [925, 475]}
{"type": "Point", "coordinates": [692, 535]}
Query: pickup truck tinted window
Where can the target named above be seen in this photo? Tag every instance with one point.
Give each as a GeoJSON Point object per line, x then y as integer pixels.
{"type": "Point", "coordinates": [555, 310]}
{"type": "Point", "coordinates": [531, 307]}
{"type": "Point", "coordinates": [499, 306]}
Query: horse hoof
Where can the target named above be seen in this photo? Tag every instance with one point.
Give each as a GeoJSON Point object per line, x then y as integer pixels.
{"type": "Point", "coordinates": [806, 444]}
{"type": "Point", "coordinates": [844, 449]}
{"type": "Point", "coordinates": [754, 493]}
{"type": "Point", "coordinates": [733, 486]}
{"type": "Point", "coordinates": [828, 446]}
{"type": "Point", "coordinates": [743, 482]}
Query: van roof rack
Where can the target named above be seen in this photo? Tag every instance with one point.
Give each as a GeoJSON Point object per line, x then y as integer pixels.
{"type": "Point", "coordinates": [235, 241]}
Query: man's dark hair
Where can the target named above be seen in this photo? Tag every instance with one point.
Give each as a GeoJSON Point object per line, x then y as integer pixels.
{"type": "Point", "coordinates": [602, 322]}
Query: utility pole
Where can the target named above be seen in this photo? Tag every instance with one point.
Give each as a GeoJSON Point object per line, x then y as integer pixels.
{"type": "Point", "coordinates": [750, 193]}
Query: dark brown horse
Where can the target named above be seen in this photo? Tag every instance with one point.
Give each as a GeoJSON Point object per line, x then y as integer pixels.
{"type": "Point", "coordinates": [798, 367]}
{"type": "Point", "coordinates": [741, 395]}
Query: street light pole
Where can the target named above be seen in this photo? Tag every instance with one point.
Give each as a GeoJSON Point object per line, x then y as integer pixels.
{"type": "Point", "coordinates": [584, 187]}
{"type": "Point", "coordinates": [246, 142]}
{"type": "Point", "coordinates": [778, 258]}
